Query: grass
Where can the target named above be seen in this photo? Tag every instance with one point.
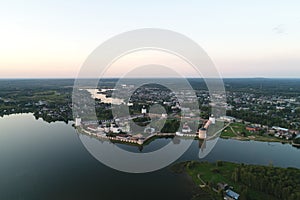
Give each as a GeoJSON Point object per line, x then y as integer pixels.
{"type": "Point", "coordinates": [211, 173]}
{"type": "Point", "coordinates": [228, 133]}
{"type": "Point", "coordinates": [239, 128]}
{"type": "Point", "coordinates": [234, 131]}
{"type": "Point", "coordinates": [207, 174]}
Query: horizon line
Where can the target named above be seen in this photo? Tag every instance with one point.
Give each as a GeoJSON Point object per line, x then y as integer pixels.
{"type": "Point", "coordinates": [27, 78]}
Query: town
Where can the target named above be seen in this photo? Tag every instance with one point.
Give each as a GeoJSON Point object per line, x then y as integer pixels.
{"type": "Point", "coordinates": [252, 109]}
{"type": "Point", "coordinates": [119, 129]}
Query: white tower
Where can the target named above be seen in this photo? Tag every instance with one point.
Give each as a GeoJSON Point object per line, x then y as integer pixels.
{"type": "Point", "coordinates": [212, 119]}
{"type": "Point", "coordinates": [144, 110]}
{"type": "Point", "coordinates": [202, 133]}
{"type": "Point", "coordinates": [77, 121]}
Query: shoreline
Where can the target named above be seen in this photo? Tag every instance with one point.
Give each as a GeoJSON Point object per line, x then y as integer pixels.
{"type": "Point", "coordinates": [197, 193]}
{"type": "Point", "coordinates": [295, 145]}
{"type": "Point", "coordinates": [149, 140]}
{"type": "Point", "coordinates": [262, 139]}
{"type": "Point", "coordinates": [146, 141]}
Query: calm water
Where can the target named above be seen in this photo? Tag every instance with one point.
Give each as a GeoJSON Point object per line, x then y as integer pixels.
{"type": "Point", "coordinates": [47, 161]}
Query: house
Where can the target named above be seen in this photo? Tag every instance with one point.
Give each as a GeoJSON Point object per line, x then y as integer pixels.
{"type": "Point", "coordinates": [231, 195]}
{"type": "Point", "coordinates": [186, 129]}
{"type": "Point", "coordinates": [227, 118]}
{"type": "Point", "coordinates": [222, 186]}
{"type": "Point", "coordinates": [280, 129]}
{"type": "Point", "coordinates": [277, 135]}
{"type": "Point", "coordinates": [252, 128]}
{"type": "Point", "coordinates": [92, 127]}
{"type": "Point", "coordinates": [114, 128]}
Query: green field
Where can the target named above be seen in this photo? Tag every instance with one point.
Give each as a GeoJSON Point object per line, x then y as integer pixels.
{"type": "Point", "coordinates": [228, 133]}
{"type": "Point", "coordinates": [238, 131]}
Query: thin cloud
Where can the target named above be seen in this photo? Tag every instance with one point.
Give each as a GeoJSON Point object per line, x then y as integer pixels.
{"type": "Point", "coordinates": [280, 29]}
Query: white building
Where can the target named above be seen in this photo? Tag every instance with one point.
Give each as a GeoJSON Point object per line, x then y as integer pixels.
{"type": "Point", "coordinates": [179, 134]}
{"type": "Point", "coordinates": [144, 110]}
{"type": "Point", "coordinates": [115, 129]}
{"type": "Point", "coordinates": [186, 129]}
{"type": "Point", "coordinates": [227, 118]}
{"type": "Point", "coordinates": [163, 115]}
{"type": "Point", "coordinates": [280, 129]}
{"type": "Point", "coordinates": [77, 121]}
{"type": "Point", "coordinates": [212, 119]}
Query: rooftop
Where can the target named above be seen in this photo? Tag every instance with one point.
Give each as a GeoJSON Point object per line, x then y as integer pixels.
{"type": "Point", "coordinates": [232, 194]}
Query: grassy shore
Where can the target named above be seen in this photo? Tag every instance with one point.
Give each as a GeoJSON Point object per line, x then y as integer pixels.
{"type": "Point", "coordinates": [237, 131]}
{"type": "Point", "coordinates": [207, 175]}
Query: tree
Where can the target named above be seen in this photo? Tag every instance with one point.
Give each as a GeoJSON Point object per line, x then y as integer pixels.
{"type": "Point", "coordinates": [219, 163]}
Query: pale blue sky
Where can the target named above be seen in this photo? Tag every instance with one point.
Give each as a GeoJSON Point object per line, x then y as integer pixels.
{"type": "Point", "coordinates": [243, 38]}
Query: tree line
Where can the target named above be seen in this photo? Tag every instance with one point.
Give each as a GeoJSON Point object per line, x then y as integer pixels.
{"type": "Point", "coordinates": [278, 182]}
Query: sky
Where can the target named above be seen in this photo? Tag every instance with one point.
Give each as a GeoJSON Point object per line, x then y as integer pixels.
{"type": "Point", "coordinates": [52, 39]}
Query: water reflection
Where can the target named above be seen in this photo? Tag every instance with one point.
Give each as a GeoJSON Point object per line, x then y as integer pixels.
{"type": "Point", "coordinates": [48, 161]}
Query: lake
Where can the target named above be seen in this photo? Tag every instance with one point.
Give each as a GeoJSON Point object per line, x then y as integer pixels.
{"type": "Point", "coordinates": [39, 160]}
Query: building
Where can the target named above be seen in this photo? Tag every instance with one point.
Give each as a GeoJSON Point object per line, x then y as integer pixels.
{"type": "Point", "coordinates": [280, 129]}
{"type": "Point", "coordinates": [202, 133]}
{"type": "Point", "coordinates": [114, 128]}
{"type": "Point", "coordinates": [92, 127]}
{"type": "Point", "coordinates": [163, 115]}
{"type": "Point", "coordinates": [252, 128]}
{"type": "Point", "coordinates": [144, 110]}
{"type": "Point", "coordinates": [207, 124]}
{"type": "Point", "coordinates": [212, 119]}
{"type": "Point", "coordinates": [296, 141]}
{"type": "Point", "coordinates": [129, 104]}
{"type": "Point", "coordinates": [227, 118]}
{"type": "Point", "coordinates": [186, 129]}
{"type": "Point", "coordinates": [77, 121]}
{"type": "Point", "coordinates": [179, 134]}
{"type": "Point", "coordinates": [231, 195]}
{"type": "Point", "coordinates": [222, 186]}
